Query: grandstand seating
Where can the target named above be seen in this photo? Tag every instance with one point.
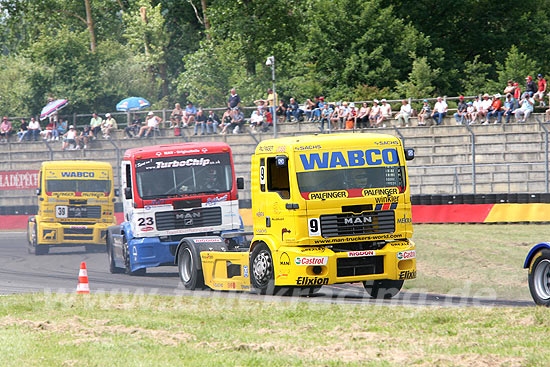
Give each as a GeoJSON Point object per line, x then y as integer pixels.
{"type": "Point", "coordinates": [509, 158]}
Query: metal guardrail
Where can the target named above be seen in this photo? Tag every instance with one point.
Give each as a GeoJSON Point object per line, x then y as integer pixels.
{"type": "Point", "coordinates": [458, 185]}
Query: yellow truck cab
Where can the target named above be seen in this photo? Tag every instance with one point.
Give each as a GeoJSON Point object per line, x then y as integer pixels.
{"type": "Point", "coordinates": [75, 206]}
{"type": "Point", "coordinates": [326, 209]}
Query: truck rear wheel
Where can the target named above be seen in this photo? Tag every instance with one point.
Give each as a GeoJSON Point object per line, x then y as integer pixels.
{"type": "Point", "coordinates": [31, 236]}
{"type": "Point", "coordinates": [262, 274]}
{"type": "Point", "coordinates": [191, 277]}
{"type": "Point", "coordinates": [539, 279]}
{"type": "Point", "coordinates": [112, 265]}
{"type": "Point", "coordinates": [383, 288]}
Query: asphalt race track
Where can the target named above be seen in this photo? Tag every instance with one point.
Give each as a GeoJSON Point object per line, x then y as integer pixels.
{"type": "Point", "coordinates": [21, 272]}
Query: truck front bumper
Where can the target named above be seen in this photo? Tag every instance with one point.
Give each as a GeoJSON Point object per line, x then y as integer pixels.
{"type": "Point", "coordinates": [148, 252]}
{"type": "Point", "coordinates": [314, 266]}
{"type": "Point", "coordinates": [72, 235]}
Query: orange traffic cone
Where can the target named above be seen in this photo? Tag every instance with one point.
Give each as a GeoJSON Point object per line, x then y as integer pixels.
{"type": "Point", "coordinates": [83, 286]}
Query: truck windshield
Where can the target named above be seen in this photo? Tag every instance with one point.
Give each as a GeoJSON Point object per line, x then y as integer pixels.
{"type": "Point", "coordinates": [351, 178]}
{"type": "Point", "coordinates": [88, 185]}
{"type": "Point", "coordinates": [184, 175]}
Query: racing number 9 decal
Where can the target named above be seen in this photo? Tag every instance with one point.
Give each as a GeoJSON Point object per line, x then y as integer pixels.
{"type": "Point", "coordinates": [61, 211]}
{"type": "Point", "coordinates": [148, 221]}
{"type": "Point", "coordinates": [262, 175]}
{"type": "Point", "coordinates": [314, 227]}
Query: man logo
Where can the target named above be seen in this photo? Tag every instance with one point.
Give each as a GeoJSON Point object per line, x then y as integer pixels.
{"type": "Point", "coordinates": [358, 220]}
{"type": "Point", "coordinates": [188, 218]}
{"type": "Point", "coordinates": [284, 260]}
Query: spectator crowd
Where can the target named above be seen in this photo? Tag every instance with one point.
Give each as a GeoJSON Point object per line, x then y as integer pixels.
{"type": "Point", "coordinates": [512, 105]}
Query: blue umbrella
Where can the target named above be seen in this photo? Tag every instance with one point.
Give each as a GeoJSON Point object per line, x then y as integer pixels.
{"type": "Point", "coordinates": [132, 104]}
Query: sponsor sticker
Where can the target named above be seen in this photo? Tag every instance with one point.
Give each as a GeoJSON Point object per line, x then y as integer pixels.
{"type": "Point", "coordinates": [328, 195]}
{"type": "Point", "coordinates": [404, 255]}
{"type": "Point", "coordinates": [311, 281]}
{"type": "Point", "coordinates": [78, 227]}
{"type": "Point", "coordinates": [284, 259]}
{"type": "Point", "coordinates": [245, 271]}
{"type": "Point", "coordinates": [407, 274]}
{"type": "Point", "coordinates": [147, 229]}
{"type": "Point", "coordinates": [386, 191]}
{"type": "Point", "coordinates": [361, 253]}
{"type": "Point", "coordinates": [206, 240]}
{"type": "Point", "coordinates": [311, 260]}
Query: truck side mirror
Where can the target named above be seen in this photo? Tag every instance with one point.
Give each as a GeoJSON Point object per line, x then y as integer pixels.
{"type": "Point", "coordinates": [128, 192]}
{"type": "Point", "coordinates": [240, 183]}
{"type": "Point", "coordinates": [117, 192]}
{"type": "Point", "coordinates": [38, 191]}
{"type": "Point", "coordinates": [409, 154]}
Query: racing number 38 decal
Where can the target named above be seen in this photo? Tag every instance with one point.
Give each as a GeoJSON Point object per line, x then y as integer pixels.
{"type": "Point", "coordinates": [314, 227]}
{"type": "Point", "coordinates": [61, 211]}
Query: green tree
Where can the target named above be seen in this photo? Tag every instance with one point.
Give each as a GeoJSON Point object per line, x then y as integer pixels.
{"type": "Point", "coordinates": [516, 66]}
{"type": "Point", "coordinates": [420, 81]}
{"type": "Point", "coordinates": [475, 77]}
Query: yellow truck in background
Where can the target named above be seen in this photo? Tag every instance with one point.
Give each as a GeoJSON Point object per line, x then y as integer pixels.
{"type": "Point", "coordinates": [75, 206]}
{"type": "Point", "coordinates": [326, 209]}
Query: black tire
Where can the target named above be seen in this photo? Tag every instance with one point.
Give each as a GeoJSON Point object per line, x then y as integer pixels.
{"type": "Point", "coordinates": [127, 268]}
{"type": "Point", "coordinates": [262, 272]}
{"type": "Point", "coordinates": [41, 250]}
{"type": "Point", "coordinates": [112, 267]}
{"type": "Point", "coordinates": [31, 241]}
{"type": "Point", "coordinates": [191, 277]}
{"type": "Point", "coordinates": [384, 288]}
{"type": "Point", "coordinates": [539, 279]}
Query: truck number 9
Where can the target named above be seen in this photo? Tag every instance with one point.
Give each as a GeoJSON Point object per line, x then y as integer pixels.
{"type": "Point", "coordinates": [262, 175]}
{"type": "Point", "coordinates": [148, 221]}
{"type": "Point", "coordinates": [314, 228]}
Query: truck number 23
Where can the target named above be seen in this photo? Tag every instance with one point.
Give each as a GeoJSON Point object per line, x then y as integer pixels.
{"type": "Point", "coordinates": [148, 221]}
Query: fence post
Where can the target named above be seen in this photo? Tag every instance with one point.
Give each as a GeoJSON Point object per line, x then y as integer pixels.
{"type": "Point", "coordinates": [400, 136]}
{"type": "Point", "coordinates": [118, 161]}
{"type": "Point", "coordinates": [473, 157]}
{"type": "Point", "coordinates": [545, 152]}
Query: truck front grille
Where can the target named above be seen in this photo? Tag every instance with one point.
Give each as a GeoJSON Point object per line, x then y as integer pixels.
{"type": "Point", "coordinates": [348, 224]}
{"type": "Point", "coordinates": [183, 219]}
{"type": "Point", "coordinates": [88, 211]}
{"type": "Point", "coordinates": [67, 231]}
{"type": "Point", "coordinates": [354, 266]}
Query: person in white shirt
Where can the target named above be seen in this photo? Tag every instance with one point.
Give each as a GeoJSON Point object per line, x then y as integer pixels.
{"type": "Point", "coordinates": [484, 107]}
{"type": "Point", "coordinates": [70, 138]}
{"type": "Point", "coordinates": [404, 113]}
{"type": "Point", "coordinates": [108, 125]}
{"type": "Point", "coordinates": [440, 111]}
{"type": "Point", "coordinates": [33, 129]}
{"type": "Point", "coordinates": [151, 123]}
{"type": "Point", "coordinates": [385, 113]}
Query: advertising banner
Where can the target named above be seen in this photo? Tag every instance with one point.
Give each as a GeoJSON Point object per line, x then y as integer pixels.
{"type": "Point", "coordinates": [18, 180]}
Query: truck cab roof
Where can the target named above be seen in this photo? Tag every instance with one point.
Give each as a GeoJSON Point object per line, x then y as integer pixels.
{"type": "Point", "coordinates": [324, 141]}
{"type": "Point", "coordinates": [164, 150]}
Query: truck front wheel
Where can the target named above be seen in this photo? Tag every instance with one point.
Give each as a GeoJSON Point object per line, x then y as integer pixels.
{"type": "Point", "coordinates": [191, 277]}
{"type": "Point", "coordinates": [383, 288]}
{"type": "Point", "coordinates": [112, 264]}
{"type": "Point", "coordinates": [262, 272]}
{"type": "Point", "coordinates": [539, 279]}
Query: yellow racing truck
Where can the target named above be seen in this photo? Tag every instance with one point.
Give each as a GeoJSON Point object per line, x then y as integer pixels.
{"type": "Point", "coordinates": [326, 209]}
{"type": "Point", "coordinates": [75, 206]}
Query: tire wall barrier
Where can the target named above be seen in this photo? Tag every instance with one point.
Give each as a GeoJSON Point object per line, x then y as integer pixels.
{"type": "Point", "coordinates": [461, 208]}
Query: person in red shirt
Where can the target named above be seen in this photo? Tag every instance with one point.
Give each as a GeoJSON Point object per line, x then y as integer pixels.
{"type": "Point", "coordinates": [496, 109]}
{"type": "Point", "coordinates": [517, 94]}
{"type": "Point", "coordinates": [539, 95]}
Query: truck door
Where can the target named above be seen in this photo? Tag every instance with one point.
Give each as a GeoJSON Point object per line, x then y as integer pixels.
{"type": "Point", "coordinates": [274, 199]}
{"type": "Point", "coordinates": [126, 188]}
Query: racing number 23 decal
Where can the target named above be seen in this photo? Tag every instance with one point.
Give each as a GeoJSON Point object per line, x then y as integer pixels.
{"type": "Point", "coordinates": [314, 227]}
{"type": "Point", "coordinates": [147, 221]}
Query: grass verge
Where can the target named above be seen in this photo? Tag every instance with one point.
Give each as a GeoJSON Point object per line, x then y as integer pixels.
{"type": "Point", "coordinates": [106, 330]}
{"type": "Point", "coordinates": [475, 259]}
